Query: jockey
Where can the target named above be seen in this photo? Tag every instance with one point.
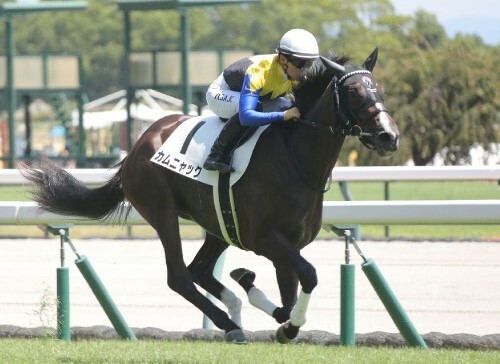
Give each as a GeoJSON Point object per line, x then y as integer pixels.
{"type": "Point", "coordinates": [249, 93]}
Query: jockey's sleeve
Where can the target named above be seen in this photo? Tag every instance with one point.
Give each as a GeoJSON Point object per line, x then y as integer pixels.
{"type": "Point", "coordinates": [249, 116]}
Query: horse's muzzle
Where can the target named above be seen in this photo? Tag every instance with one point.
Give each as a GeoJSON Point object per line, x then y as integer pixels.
{"type": "Point", "coordinates": [384, 143]}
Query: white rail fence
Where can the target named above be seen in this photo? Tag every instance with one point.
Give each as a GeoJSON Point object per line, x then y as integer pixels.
{"type": "Point", "coordinates": [424, 212]}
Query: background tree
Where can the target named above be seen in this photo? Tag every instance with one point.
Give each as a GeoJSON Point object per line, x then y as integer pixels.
{"type": "Point", "coordinates": [442, 92]}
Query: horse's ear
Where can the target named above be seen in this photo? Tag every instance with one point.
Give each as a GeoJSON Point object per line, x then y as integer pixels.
{"type": "Point", "coordinates": [369, 63]}
{"type": "Point", "coordinates": [333, 66]}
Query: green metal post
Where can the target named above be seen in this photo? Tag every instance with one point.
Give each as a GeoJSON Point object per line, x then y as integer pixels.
{"type": "Point", "coordinates": [347, 275]}
{"type": "Point", "coordinates": [128, 87]}
{"type": "Point", "coordinates": [27, 123]}
{"type": "Point", "coordinates": [104, 299]}
{"type": "Point", "coordinates": [392, 305]}
{"type": "Point", "coordinates": [186, 86]}
{"type": "Point", "coordinates": [347, 335]}
{"type": "Point", "coordinates": [81, 158]}
{"type": "Point", "coordinates": [11, 91]}
{"type": "Point", "coordinates": [63, 321]}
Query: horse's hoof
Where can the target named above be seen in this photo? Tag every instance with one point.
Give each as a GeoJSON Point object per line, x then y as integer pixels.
{"type": "Point", "coordinates": [236, 337]}
{"type": "Point", "coordinates": [242, 273]}
{"type": "Point", "coordinates": [286, 333]}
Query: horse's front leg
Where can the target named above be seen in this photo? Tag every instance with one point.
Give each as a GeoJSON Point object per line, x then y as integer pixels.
{"type": "Point", "coordinates": [288, 283]}
{"type": "Point", "coordinates": [281, 252]}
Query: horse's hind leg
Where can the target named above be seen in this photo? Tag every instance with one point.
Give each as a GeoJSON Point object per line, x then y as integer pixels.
{"type": "Point", "coordinates": [256, 297]}
{"type": "Point", "coordinates": [202, 268]}
{"type": "Point", "coordinates": [287, 282]}
{"type": "Point", "coordinates": [180, 281]}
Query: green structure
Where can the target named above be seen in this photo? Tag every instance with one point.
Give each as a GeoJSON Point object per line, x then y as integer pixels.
{"type": "Point", "coordinates": [181, 6]}
{"type": "Point", "coordinates": [94, 282]}
{"type": "Point", "coordinates": [8, 11]}
{"type": "Point", "coordinates": [381, 287]}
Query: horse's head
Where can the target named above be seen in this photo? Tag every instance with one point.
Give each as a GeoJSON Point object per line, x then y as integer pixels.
{"type": "Point", "coordinates": [360, 105]}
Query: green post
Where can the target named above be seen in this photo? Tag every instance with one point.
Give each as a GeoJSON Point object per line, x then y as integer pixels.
{"type": "Point", "coordinates": [80, 159]}
{"type": "Point", "coordinates": [128, 88]}
{"type": "Point", "coordinates": [104, 299]}
{"type": "Point", "coordinates": [186, 86]}
{"type": "Point", "coordinates": [392, 305]}
{"type": "Point", "coordinates": [347, 275]}
{"type": "Point", "coordinates": [63, 322]}
{"type": "Point", "coordinates": [11, 91]}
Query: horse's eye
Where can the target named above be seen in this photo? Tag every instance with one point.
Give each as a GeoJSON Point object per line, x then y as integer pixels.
{"type": "Point", "coordinates": [356, 95]}
{"type": "Point", "coordinates": [357, 91]}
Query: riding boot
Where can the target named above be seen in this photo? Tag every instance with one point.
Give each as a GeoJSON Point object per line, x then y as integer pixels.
{"type": "Point", "coordinates": [221, 153]}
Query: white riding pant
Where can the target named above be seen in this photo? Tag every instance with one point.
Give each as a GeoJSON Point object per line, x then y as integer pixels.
{"type": "Point", "coordinates": [224, 102]}
{"type": "Point", "coordinates": [221, 100]}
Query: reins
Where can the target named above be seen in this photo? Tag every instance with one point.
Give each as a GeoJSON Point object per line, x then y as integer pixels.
{"type": "Point", "coordinates": [344, 129]}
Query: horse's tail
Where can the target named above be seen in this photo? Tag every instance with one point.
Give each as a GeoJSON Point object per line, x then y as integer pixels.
{"type": "Point", "coordinates": [57, 191]}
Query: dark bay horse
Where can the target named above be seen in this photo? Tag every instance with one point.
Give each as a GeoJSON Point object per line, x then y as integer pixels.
{"type": "Point", "coordinates": [278, 200]}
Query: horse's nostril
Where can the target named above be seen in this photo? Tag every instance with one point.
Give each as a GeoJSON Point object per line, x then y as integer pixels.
{"type": "Point", "coordinates": [385, 137]}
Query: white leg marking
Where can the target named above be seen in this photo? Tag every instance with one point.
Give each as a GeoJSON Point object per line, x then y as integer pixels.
{"type": "Point", "coordinates": [258, 299]}
{"type": "Point", "coordinates": [298, 314]}
{"type": "Point", "coordinates": [233, 304]}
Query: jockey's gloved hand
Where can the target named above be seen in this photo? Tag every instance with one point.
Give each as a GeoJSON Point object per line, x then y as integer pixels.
{"type": "Point", "coordinates": [292, 114]}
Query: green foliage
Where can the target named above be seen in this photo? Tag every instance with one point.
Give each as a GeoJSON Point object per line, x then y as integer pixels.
{"type": "Point", "coordinates": [442, 92]}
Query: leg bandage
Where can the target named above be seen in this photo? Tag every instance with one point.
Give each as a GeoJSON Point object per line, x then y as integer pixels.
{"type": "Point", "coordinates": [298, 314]}
{"type": "Point", "coordinates": [233, 304]}
{"type": "Point", "coordinates": [258, 299]}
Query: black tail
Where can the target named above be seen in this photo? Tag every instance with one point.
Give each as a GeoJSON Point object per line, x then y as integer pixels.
{"type": "Point", "coordinates": [57, 191]}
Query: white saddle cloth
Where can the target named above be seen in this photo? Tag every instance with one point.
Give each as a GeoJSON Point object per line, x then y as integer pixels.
{"type": "Point", "coordinates": [185, 153]}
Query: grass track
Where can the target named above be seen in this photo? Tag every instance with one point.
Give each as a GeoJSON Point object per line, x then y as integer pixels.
{"type": "Point", "coordinates": [46, 351]}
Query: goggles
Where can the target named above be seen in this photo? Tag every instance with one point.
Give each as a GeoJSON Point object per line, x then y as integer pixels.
{"type": "Point", "coordinates": [301, 63]}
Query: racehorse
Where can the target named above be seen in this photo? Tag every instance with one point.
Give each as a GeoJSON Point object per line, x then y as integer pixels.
{"type": "Point", "coordinates": [278, 200]}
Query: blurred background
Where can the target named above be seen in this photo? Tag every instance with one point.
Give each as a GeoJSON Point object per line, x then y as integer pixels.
{"type": "Point", "coordinates": [438, 65]}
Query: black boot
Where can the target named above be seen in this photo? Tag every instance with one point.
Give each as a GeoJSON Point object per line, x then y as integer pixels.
{"type": "Point", "coordinates": [221, 153]}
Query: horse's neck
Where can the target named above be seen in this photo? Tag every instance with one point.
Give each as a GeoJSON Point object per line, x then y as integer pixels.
{"type": "Point", "coordinates": [318, 149]}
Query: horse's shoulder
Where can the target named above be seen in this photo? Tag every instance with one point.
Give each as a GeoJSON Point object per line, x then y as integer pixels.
{"type": "Point", "coordinates": [278, 131]}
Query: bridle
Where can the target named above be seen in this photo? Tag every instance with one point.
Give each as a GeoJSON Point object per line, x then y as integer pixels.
{"type": "Point", "coordinates": [346, 127]}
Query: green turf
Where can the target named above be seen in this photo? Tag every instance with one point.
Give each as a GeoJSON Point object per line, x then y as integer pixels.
{"type": "Point", "coordinates": [109, 351]}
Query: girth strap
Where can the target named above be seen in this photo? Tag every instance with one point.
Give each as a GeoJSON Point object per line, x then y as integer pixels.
{"type": "Point", "coordinates": [226, 208]}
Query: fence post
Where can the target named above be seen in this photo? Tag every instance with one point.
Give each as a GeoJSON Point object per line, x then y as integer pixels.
{"type": "Point", "coordinates": [63, 311]}
{"type": "Point", "coordinates": [347, 288]}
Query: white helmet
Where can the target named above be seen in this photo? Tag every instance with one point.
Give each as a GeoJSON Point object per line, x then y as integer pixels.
{"type": "Point", "coordinates": [299, 43]}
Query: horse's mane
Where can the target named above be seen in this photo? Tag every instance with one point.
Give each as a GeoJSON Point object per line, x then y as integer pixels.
{"type": "Point", "coordinates": [317, 79]}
